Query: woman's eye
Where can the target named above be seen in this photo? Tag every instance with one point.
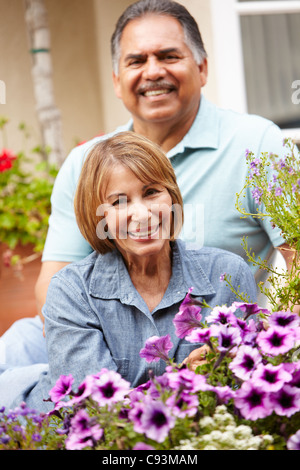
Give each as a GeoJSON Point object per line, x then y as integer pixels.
{"type": "Point", "coordinates": [151, 192]}
{"type": "Point", "coordinates": [121, 201]}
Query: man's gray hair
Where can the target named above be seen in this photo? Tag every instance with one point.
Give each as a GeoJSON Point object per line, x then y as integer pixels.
{"type": "Point", "coordinates": [159, 7]}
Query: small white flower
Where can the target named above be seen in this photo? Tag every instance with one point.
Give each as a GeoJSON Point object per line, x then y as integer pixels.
{"type": "Point", "coordinates": [207, 422]}
{"type": "Point", "coordinates": [267, 439]}
{"type": "Point", "coordinates": [216, 435]}
{"type": "Point", "coordinates": [243, 432]}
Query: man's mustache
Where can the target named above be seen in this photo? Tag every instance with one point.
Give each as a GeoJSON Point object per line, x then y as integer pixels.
{"type": "Point", "coordinates": [155, 85]}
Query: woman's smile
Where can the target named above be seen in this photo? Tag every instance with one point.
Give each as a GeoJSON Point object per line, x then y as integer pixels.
{"type": "Point", "coordinates": [144, 233]}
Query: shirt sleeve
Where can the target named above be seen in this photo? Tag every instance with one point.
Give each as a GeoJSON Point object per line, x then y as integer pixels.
{"type": "Point", "coordinates": [75, 341]}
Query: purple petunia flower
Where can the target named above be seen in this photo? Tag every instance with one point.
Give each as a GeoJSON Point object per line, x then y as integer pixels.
{"type": "Point", "coordinates": [84, 432]}
{"type": "Point", "coordinates": [200, 335]}
{"type": "Point", "coordinates": [156, 348]}
{"type": "Point", "coordinates": [270, 377]}
{"type": "Point", "coordinates": [286, 401]}
{"type": "Point", "coordinates": [135, 414]}
{"type": "Point", "coordinates": [186, 320]}
{"type": "Point", "coordinates": [228, 337]}
{"type": "Point", "coordinates": [245, 362]}
{"type": "Point", "coordinates": [187, 380]}
{"type": "Point", "coordinates": [285, 319]}
{"type": "Point", "coordinates": [224, 315]}
{"type": "Point", "coordinates": [157, 420]}
{"type": "Point", "coordinates": [276, 340]}
{"type": "Point", "coordinates": [252, 401]}
{"type": "Point", "coordinates": [294, 442]}
{"type": "Point", "coordinates": [295, 382]}
{"type": "Point", "coordinates": [224, 394]}
{"type": "Point", "coordinates": [62, 388]}
{"type": "Point", "coordinates": [84, 390]}
{"type": "Point", "coordinates": [109, 388]}
{"type": "Point", "coordinates": [248, 331]}
{"type": "Point", "coordinates": [250, 309]}
{"type": "Point", "coordinates": [183, 404]}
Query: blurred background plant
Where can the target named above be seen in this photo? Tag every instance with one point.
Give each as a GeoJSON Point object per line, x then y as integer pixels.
{"type": "Point", "coordinates": [26, 182]}
{"type": "Point", "coordinates": [274, 183]}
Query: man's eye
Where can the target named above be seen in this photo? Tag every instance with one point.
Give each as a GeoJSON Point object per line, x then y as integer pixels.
{"type": "Point", "coordinates": [135, 63]}
{"type": "Point", "coordinates": [171, 58]}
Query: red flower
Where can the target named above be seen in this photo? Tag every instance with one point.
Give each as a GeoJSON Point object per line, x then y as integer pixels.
{"type": "Point", "coordinates": [6, 159]}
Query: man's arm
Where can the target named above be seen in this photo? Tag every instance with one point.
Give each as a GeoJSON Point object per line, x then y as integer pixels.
{"type": "Point", "coordinates": [48, 269]}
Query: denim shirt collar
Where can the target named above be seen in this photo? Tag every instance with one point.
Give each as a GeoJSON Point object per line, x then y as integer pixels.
{"type": "Point", "coordinates": [110, 278]}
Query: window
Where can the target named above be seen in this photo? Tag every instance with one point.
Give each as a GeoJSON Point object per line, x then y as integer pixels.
{"type": "Point", "coordinates": [257, 46]}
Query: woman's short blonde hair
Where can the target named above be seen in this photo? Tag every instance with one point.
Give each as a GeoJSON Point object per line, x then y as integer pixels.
{"type": "Point", "coordinates": [145, 159]}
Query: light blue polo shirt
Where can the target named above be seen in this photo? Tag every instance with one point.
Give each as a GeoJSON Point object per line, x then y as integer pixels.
{"type": "Point", "coordinates": [210, 166]}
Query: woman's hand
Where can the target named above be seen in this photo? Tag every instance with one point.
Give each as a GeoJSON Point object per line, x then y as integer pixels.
{"type": "Point", "coordinates": [196, 357]}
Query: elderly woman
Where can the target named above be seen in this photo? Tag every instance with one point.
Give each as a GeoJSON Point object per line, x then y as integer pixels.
{"type": "Point", "coordinates": [100, 311]}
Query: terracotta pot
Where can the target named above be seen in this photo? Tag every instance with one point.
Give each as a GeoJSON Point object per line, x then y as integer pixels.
{"type": "Point", "coordinates": [17, 298]}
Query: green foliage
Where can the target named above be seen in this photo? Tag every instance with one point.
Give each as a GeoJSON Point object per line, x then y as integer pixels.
{"type": "Point", "coordinates": [274, 183]}
{"type": "Point", "coordinates": [26, 184]}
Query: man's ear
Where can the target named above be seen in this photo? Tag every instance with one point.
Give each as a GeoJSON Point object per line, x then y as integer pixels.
{"type": "Point", "coordinates": [116, 84]}
{"type": "Point", "coordinates": [203, 69]}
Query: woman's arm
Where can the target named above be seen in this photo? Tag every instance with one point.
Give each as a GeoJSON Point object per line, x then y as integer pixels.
{"type": "Point", "coordinates": [74, 337]}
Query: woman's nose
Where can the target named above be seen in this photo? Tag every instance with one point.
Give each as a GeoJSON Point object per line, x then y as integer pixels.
{"type": "Point", "coordinates": [139, 212]}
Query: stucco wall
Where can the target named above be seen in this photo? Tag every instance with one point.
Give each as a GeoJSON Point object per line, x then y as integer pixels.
{"type": "Point", "coordinates": [80, 51]}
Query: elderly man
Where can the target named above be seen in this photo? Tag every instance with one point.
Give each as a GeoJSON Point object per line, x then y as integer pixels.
{"type": "Point", "coordinates": [159, 69]}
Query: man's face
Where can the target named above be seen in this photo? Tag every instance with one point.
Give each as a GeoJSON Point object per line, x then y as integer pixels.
{"type": "Point", "coordinates": [158, 80]}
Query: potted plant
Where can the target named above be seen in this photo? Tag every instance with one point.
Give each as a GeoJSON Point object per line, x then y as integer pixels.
{"type": "Point", "coordinates": [26, 184]}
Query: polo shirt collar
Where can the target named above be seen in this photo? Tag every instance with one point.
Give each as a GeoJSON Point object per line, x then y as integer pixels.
{"type": "Point", "coordinates": [204, 132]}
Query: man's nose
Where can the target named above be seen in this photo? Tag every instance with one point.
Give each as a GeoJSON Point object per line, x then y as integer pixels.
{"type": "Point", "coordinates": [154, 69]}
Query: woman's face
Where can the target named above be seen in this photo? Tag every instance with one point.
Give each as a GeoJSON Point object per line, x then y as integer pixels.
{"type": "Point", "coordinates": [138, 214]}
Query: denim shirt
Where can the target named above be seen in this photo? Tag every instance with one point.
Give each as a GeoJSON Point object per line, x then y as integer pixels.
{"type": "Point", "coordinates": [95, 318]}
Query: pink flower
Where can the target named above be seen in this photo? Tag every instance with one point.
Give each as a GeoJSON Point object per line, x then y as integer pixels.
{"type": "Point", "coordinates": [286, 401]}
{"type": "Point", "coordinates": [6, 159]}
{"type": "Point", "coordinates": [252, 401]}
{"type": "Point", "coordinates": [157, 420]}
{"type": "Point", "coordinates": [245, 361]}
{"type": "Point", "coordinates": [156, 348]}
{"type": "Point", "coordinates": [109, 388]}
{"type": "Point", "coordinates": [62, 388]}
{"type": "Point", "coordinates": [276, 340]}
